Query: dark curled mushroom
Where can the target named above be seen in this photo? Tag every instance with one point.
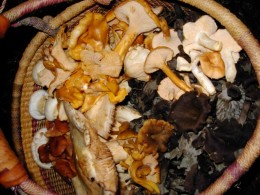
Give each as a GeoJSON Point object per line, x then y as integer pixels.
{"type": "Point", "coordinates": [154, 135]}
{"type": "Point", "coordinates": [223, 140]}
{"type": "Point", "coordinates": [190, 111]}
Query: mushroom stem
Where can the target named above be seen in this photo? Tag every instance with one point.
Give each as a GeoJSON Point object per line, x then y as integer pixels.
{"type": "Point", "coordinates": [204, 40]}
{"type": "Point", "coordinates": [202, 78]}
{"type": "Point", "coordinates": [125, 43]}
{"type": "Point", "coordinates": [173, 77]}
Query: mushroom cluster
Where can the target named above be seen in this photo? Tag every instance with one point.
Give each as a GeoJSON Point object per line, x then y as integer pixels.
{"type": "Point", "coordinates": [146, 97]}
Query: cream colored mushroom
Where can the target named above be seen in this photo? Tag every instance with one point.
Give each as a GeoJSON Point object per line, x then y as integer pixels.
{"type": "Point", "coordinates": [172, 42]}
{"type": "Point", "coordinates": [126, 113]}
{"type": "Point", "coordinates": [202, 78]}
{"type": "Point", "coordinates": [51, 109]}
{"type": "Point", "coordinates": [230, 53]}
{"type": "Point", "coordinates": [37, 104]}
{"type": "Point", "coordinates": [140, 18]}
{"type": "Point", "coordinates": [39, 139]}
{"type": "Point", "coordinates": [134, 63]}
{"type": "Point", "coordinates": [157, 59]}
{"type": "Point", "coordinates": [200, 32]}
{"type": "Point", "coordinates": [184, 65]}
{"type": "Point", "coordinates": [168, 90]}
{"type": "Point", "coordinates": [65, 62]}
{"type": "Point", "coordinates": [41, 75]}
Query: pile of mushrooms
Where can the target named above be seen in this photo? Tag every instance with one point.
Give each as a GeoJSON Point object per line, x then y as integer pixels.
{"type": "Point", "coordinates": [85, 73]}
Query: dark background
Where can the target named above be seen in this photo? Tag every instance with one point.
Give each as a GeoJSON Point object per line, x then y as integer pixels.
{"type": "Point", "coordinates": [16, 40]}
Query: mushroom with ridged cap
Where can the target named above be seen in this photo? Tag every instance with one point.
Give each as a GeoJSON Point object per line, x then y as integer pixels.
{"type": "Point", "coordinates": [37, 104]}
{"type": "Point", "coordinates": [140, 18]}
{"type": "Point", "coordinates": [199, 32]}
{"type": "Point", "coordinates": [157, 59]}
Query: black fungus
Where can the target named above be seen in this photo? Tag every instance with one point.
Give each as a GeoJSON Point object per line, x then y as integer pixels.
{"type": "Point", "coordinates": [190, 112]}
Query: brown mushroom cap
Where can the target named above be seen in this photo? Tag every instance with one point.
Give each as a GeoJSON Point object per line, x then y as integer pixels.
{"type": "Point", "coordinates": [212, 65]}
{"type": "Point", "coordinates": [155, 135]}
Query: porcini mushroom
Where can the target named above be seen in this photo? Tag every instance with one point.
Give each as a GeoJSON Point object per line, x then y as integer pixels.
{"type": "Point", "coordinates": [37, 104]}
{"type": "Point", "coordinates": [229, 53]}
{"type": "Point", "coordinates": [157, 59]}
{"type": "Point", "coordinates": [140, 18]}
{"type": "Point", "coordinates": [200, 32]}
{"type": "Point", "coordinates": [212, 65]}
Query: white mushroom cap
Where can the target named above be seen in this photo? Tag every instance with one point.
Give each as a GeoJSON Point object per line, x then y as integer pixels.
{"type": "Point", "coordinates": [126, 113]}
{"type": "Point", "coordinates": [134, 63]}
{"type": "Point", "coordinates": [37, 104]}
{"type": "Point", "coordinates": [168, 90]}
{"type": "Point", "coordinates": [173, 42]}
{"type": "Point", "coordinates": [41, 75]}
{"type": "Point", "coordinates": [200, 31]}
{"type": "Point", "coordinates": [39, 139]}
{"type": "Point", "coordinates": [229, 53]}
{"type": "Point", "coordinates": [51, 109]}
{"type": "Point", "coordinates": [38, 67]}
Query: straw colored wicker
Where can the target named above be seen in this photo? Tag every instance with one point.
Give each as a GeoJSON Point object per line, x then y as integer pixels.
{"type": "Point", "coordinates": [24, 126]}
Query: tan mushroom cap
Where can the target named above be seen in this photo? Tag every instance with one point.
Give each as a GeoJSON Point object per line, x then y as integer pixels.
{"type": "Point", "coordinates": [200, 31]}
{"type": "Point", "coordinates": [157, 59]}
{"type": "Point", "coordinates": [168, 90]}
{"type": "Point", "coordinates": [212, 65]}
{"type": "Point", "coordinates": [172, 41]}
{"type": "Point", "coordinates": [140, 18]}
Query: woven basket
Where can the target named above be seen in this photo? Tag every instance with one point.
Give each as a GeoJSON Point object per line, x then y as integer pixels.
{"type": "Point", "coordinates": [24, 126]}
